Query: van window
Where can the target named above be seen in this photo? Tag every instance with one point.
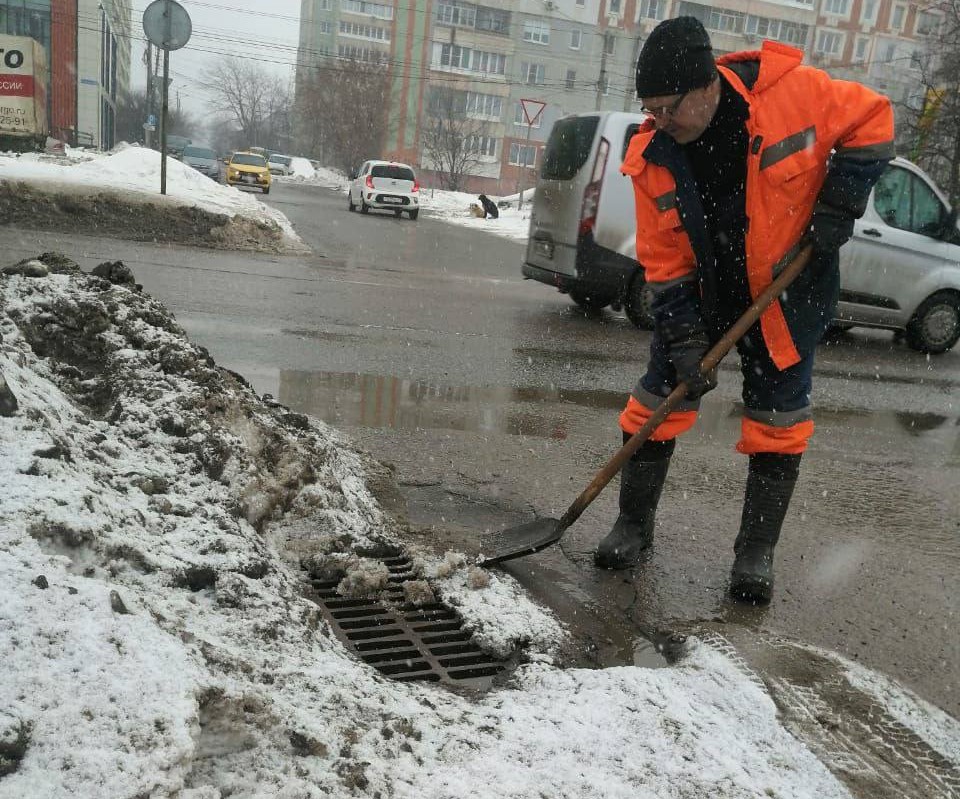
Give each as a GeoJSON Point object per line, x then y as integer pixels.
{"type": "Point", "coordinates": [904, 201]}
{"type": "Point", "coordinates": [392, 171]}
{"type": "Point", "coordinates": [568, 147]}
{"type": "Point", "coordinates": [632, 131]}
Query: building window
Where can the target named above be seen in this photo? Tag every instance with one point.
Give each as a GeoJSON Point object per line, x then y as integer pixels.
{"type": "Point", "coordinates": [581, 2]}
{"type": "Point", "coordinates": [493, 20]}
{"type": "Point", "coordinates": [461, 15]}
{"type": "Point", "coordinates": [899, 13]}
{"type": "Point", "coordinates": [571, 78]}
{"type": "Point", "coordinates": [520, 119]}
{"type": "Point", "coordinates": [358, 30]}
{"type": "Point", "coordinates": [326, 27]}
{"type": "Point", "coordinates": [531, 73]}
{"type": "Point", "coordinates": [868, 12]}
{"type": "Point", "coordinates": [454, 57]}
{"type": "Point", "coordinates": [652, 9]}
{"type": "Point", "coordinates": [613, 6]}
{"type": "Point", "coordinates": [829, 42]}
{"type": "Point", "coordinates": [928, 23]}
{"type": "Point", "coordinates": [324, 5]}
{"type": "Point", "coordinates": [726, 21]}
{"type": "Point", "coordinates": [523, 155]}
{"type": "Point", "coordinates": [484, 106]}
{"type": "Point", "coordinates": [861, 49]}
{"type": "Point", "coordinates": [536, 31]}
{"type": "Point", "coordinates": [838, 8]}
{"type": "Point", "coordinates": [576, 38]}
{"type": "Point", "coordinates": [481, 145]}
{"type": "Point", "coordinates": [379, 10]}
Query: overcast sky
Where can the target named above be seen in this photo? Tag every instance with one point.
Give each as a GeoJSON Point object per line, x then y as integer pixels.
{"type": "Point", "coordinates": [267, 31]}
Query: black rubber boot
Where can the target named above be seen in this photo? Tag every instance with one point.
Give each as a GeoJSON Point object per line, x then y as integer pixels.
{"type": "Point", "coordinates": [770, 485]}
{"type": "Point", "coordinates": [641, 483]}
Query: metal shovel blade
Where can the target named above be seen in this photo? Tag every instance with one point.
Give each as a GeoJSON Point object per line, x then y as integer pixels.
{"type": "Point", "coordinates": [515, 542]}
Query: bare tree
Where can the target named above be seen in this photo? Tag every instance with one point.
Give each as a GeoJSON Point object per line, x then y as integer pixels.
{"type": "Point", "coordinates": [932, 120]}
{"type": "Point", "coordinates": [132, 114]}
{"type": "Point", "coordinates": [257, 101]}
{"type": "Point", "coordinates": [452, 141]}
{"type": "Point", "coordinates": [342, 111]}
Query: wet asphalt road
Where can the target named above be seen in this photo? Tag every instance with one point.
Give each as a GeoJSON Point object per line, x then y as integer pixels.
{"type": "Point", "coordinates": [497, 399]}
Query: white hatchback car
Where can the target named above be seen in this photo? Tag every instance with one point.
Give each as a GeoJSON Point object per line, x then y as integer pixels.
{"type": "Point", "coordinates": [385, 185]}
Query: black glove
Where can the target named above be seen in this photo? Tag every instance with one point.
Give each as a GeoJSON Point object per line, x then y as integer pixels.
{"type": "Point", "coordinates": [686, 346]}
{"type": "Point", "coordinates": [829, 229]}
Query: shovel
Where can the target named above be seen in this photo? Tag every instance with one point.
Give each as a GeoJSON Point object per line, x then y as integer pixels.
{"type": "Point", "coordinates": [525, 539]}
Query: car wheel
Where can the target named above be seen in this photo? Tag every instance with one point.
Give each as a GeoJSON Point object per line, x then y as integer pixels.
{"type": "Point", "coordinates": [638, 305]}
{"type": "Point", "coordinates": [266, 190]}
{"type": "Point", "coordinates": [935, 327]}
{"type": "Point", "coordinates": [415, 213]}
{"type": "Point", "coordinates": [397, 213]}
{"type": "Point", "coordinates": [350, 204]}
{"type": "Point", "coordinates": [364, 208]}
{"type": "Point", "coordinates": [590, 301]}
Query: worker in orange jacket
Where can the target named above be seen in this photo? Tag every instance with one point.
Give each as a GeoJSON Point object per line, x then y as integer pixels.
{"type": "Point", "coordinates": [743, 160]}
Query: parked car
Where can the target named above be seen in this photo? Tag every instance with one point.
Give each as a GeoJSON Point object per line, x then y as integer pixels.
{"type": "Point", "coordinates": [280, 164]}
{"type": "Point", "coordinates": [248, 169]}
{"type": "Point", "coordinates": [175, 145]}
{"type": "Point", "coordinates": [901, 270]}
{"type": "Point", "coordinates": [384, 185]}
{"type": "Point", "coordinates": [203, 159]}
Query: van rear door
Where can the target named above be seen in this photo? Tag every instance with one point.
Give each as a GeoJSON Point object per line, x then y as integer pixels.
{"type": "Point", "coordinates": [557, 205]}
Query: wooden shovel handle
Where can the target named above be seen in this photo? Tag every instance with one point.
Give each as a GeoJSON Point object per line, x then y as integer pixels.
{"type": "Point", "coordinates": [713, 357]}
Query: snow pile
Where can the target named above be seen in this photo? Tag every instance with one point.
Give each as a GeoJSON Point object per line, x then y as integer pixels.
{"type": "Point", "coordinates": [302, 168]}
{"type": "Point", "coordinates": [454, 207]}
{"type": "Point", "coordinates": [154, 637]}
{"type": "Point", "coordinates": [326, 177]}
{"type": "Point", "coordinates": [134, 172]}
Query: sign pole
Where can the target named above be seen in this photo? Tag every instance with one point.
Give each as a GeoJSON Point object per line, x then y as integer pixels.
{"type": "Point", "coordinates": [523, 168]}
{"type": "Point", "coordinates": [527, 105]}
{"type": "Point", "coordinates": [168, 27]}
{"type": "Point", "coordinates": [163, 123]}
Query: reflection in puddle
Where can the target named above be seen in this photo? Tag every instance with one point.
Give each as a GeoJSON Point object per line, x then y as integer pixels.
{"type": "Point", "coordinates": [378, 401]}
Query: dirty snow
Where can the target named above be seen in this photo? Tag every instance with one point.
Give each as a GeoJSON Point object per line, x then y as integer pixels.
{"type": "Point", "coordinates": [156, 642]}
{"type": "Point", "coordinates": [134, 173]}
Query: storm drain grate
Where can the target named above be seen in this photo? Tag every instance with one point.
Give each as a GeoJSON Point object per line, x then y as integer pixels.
{"type": "Point", "coordinates": [405, 641]}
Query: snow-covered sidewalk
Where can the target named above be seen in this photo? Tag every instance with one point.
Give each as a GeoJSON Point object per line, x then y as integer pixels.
{"type": "Point", "coordinates": [133, 173]}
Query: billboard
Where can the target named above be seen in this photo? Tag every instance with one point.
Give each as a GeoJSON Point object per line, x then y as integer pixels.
{"type": "Point", "coordinates": [23, 86]}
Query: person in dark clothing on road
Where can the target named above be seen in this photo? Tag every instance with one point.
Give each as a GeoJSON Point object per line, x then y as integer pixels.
{"type": "Point", "coordinates": [489, 207]}
{"type": "Point", "coordinates": [743, 160]}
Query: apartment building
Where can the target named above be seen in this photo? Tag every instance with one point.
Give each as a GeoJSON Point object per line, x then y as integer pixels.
{"type": "Point", "coordinates": [577, 55]}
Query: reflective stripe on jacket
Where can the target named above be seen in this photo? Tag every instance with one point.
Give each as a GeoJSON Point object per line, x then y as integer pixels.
{"type": "Point", "coordinates": [798, 115]}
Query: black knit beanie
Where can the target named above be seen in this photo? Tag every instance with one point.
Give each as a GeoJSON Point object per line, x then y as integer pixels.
{"type": "Point", "coordinates": [676, 58]}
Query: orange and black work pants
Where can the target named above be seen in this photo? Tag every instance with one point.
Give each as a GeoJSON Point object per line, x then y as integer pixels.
{"type": "Point", "coordinates": [777, 416]}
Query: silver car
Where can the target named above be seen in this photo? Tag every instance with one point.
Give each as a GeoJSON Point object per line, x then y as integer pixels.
{"type": "Point", "coordinates": [901, 270]}
{"type": "Point", "coordinates": [203, 159]}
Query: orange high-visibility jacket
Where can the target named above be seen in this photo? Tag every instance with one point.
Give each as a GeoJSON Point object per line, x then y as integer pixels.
{"type": "Point", "coordinates": [798, 115]}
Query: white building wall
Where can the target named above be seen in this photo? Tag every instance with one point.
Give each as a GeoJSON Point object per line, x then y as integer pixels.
{"type": "Point", "coordinates": [103, 67]}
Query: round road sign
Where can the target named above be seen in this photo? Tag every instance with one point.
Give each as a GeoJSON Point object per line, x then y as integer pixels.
{"type": "Point", "coordinates": [167, 24]}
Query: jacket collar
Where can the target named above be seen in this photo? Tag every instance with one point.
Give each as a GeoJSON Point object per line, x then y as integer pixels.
{"type": "Point", "coordinates": [775, 59]}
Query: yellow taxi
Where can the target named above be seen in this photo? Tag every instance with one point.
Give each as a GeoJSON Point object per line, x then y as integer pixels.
{"type": "Point", "coordinates": [248, 169]}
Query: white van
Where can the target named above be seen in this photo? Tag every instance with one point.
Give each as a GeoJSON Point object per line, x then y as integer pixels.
{"type": "Point", "coordinates": [583, 225]}
{"type": "Point", "coordinates": [901, 270]}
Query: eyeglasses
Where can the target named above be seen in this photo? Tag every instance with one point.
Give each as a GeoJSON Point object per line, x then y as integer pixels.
{"type": "Point", "coordinates": [665, 110]}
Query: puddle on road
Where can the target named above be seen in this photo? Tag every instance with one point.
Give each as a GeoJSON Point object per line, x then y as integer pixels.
{"type": "Point", "coordinates": [383, 401]}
